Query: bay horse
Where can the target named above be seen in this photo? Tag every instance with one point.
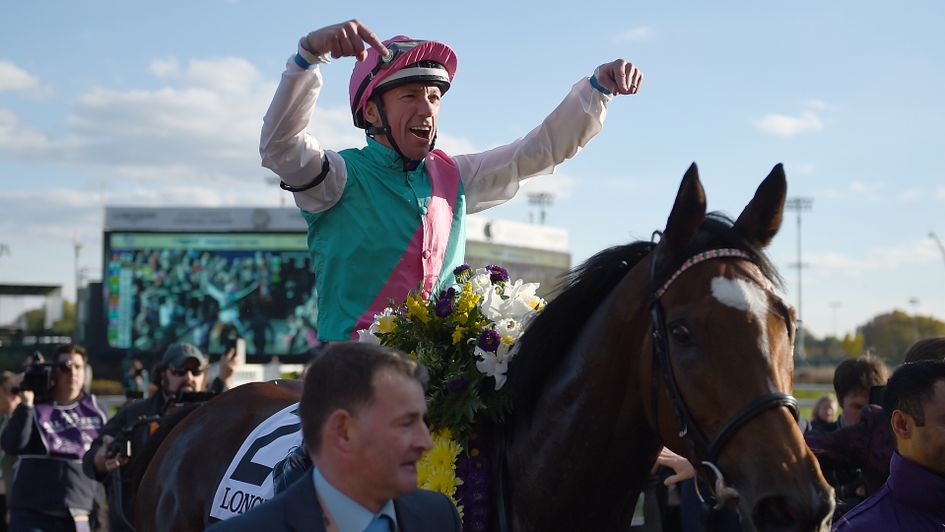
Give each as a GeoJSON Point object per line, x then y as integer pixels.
{"type": "Point", "coordinates": [684, 343]}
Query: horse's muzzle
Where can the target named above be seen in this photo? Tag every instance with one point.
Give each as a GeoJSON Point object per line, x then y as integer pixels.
{"type": "Point", "coordinates": [788, 513]}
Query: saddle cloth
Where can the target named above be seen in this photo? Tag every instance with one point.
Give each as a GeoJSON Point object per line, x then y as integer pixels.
{"type": "Point", "coordinates": [247, 482]}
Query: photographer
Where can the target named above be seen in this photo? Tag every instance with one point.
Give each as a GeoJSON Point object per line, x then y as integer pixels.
{"type": "Point", "coordinates": [50, 431]}
{"type": "Point", "coordinates": [183, 368]}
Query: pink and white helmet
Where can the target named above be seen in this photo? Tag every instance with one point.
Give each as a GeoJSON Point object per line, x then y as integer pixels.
{"type": "Point", "coordinates": [409, 61]}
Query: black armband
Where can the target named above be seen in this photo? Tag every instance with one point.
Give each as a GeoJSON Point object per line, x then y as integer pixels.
{"type": "Point", "coordinates": [313, 183]}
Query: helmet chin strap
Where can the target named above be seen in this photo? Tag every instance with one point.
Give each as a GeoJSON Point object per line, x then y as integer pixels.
{"type": "Point", "coordinates": [409, 164]}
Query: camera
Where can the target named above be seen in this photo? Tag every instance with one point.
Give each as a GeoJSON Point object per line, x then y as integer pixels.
{"type": "Point", "coordinates": [121, 446]}
{"type": "Point", "coordinates": [37, 378]}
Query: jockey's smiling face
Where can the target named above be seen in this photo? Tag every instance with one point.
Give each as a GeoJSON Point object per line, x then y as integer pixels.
{"type": "Point", "coordinates": [412, 112]}
{"type": "Point", "coordinates": [388, 436]}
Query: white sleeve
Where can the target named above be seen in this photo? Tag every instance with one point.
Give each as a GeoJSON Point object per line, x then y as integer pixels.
{"type": "Point", "coordinates": [291, 152]}
{"type": "Point", "coordinates": [492, 177]}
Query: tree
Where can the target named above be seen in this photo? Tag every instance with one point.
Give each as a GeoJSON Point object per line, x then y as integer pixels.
{"type": "Point", "coordinates": [892, 333]}
{"type": "Point", "coordinates": [35, 319]}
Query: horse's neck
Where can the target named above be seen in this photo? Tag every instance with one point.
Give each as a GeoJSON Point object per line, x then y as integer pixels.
{"type": "Point", "coordinates": [589, 428]}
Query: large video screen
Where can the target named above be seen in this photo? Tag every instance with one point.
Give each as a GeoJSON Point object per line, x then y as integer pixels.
{"type": "Point", "coordinates": [208, 289]}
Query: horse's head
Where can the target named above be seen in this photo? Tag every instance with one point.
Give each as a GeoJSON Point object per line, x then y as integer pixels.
{"type": "Point", "coordinates": [723, 360]}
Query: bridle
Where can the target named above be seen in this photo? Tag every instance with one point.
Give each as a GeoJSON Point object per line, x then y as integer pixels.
{"type": "Point", "coordinates": [704, 451]}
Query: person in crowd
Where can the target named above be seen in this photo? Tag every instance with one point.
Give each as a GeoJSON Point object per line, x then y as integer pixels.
{"type": "Point", "coordinates": [926, 349]}
{"type": "Point", "coordinates": [361, 411]}
{"type": "Point", "coordinates": [136, 378]}
{"type": "Point", "coordinates": [49, 434]}
{"type": "Point", "coordinates": [824, 414]}
{"type": "Point", "coordinates": [390, 217]}
{"type": "Point", "coordinates": [8, 403]}
{"type": "Point", "coordinates": [852, 381]}
{"type": "Point", "coordinates": [183, 368]}
{"type": "Point", "coordinates": [854, 451]}
{"type": "Point", "coordinates": [913, 497]}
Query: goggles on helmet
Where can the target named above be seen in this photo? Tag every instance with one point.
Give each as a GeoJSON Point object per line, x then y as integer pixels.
{"type": "Point", "coordinates": [426, 69]}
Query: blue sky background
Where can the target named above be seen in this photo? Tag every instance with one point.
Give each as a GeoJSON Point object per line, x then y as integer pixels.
{"type": "Point", "coordinates": [160, 104]}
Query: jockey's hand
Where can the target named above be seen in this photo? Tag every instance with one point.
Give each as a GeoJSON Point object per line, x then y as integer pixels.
{"type": "Point", "coordinates": [619, 77]}
{"type": "Point", "coordinates": [346, 39]}
{"type": "Point", "coordinates": [683, 470]}
{"type": "Point", "coordinates": [105, 463]}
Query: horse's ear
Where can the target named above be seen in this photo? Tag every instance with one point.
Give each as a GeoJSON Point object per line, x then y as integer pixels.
{"type": "Point", "coordinates": [688, 212]}
{"type": "Point", "coordinates": [761, 219]}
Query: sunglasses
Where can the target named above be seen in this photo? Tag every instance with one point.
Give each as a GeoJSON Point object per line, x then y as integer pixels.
{"type": "Point", "coordinates": [184, 371]}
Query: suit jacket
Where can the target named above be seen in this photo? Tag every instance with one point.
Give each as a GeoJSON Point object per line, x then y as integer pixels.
{"type": "Point", "coordinates": [297, 509]}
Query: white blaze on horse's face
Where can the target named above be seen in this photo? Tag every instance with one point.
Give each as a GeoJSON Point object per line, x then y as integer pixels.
{"type": "Point", "coordinates": [748, 297]}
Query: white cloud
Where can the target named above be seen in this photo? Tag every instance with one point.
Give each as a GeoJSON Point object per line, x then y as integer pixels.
{"type": "Point", "coordinates": [165, 68]}
{"type": "Point", "coordinates": [802, 168]}
{"type": "Point", "coordinates": [820, 105]}
{"type": "Point", "coordinates": [230, 74]}
{"type": "Point", "coordinates": [883, 258]}
{"type": "Point", "coordinates": [911, 194]}
{"type": "Point", "coordinates": [860, 187]}
{"type": "Point", "coordinates": [940, 193]}
{"type": "Point", "coordinates": [639, 33]}
{"type": "Point", "coordinates": [14, 78]}
{"type": "Point", "coordinates": [18, 137]}
{"type": "Point", "coordinates": [202, 126]}
{"type": "Point", "coordinates": [789, 126]}
{"type": "Point", "coordinates": [559, 185]}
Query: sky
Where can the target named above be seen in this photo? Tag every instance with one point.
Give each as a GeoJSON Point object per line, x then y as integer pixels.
{"type": "Point", "coordinates": [131, 103]}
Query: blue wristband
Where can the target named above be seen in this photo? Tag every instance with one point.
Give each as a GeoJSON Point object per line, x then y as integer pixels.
{"type": "Point", "coordinates": [595, 84]}
{"type": "Point", "coordinates": [299, 60]}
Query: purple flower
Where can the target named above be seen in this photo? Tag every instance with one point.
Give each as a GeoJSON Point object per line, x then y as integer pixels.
{"type": "Point", "coordinates": [444, 304]}
{"type": "Point", "coordinates": [498, 273]}
{"type": "Point", "coordinates": [462, 273]}
{"type": "Point", "coordinates": [489, 340]}
{"type": "Point", "coordinates": [457, 385]}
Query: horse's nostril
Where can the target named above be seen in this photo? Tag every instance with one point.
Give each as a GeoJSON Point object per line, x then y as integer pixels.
{"type": "Point", "coordinates": [774, 514]}
{"type": "Point", "coordinates": [777, 513]}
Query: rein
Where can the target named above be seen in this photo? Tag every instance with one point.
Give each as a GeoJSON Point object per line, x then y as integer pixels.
{"type": "Point", "coordinates": [704, 451]}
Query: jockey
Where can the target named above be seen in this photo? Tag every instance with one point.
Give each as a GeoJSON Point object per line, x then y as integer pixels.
{"type": "Point", "coordinates": [390, 217]}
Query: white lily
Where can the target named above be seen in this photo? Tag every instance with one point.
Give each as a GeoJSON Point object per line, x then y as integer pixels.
{"type": "Point", "coordinates": [492, 365]}
{"type": "Point", "coordinates": [365, 336]}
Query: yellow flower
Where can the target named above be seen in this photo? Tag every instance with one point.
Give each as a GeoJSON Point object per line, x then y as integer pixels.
{"type": "Point", "coordinates": [436, 469]}
{"type": "Point", "coordinates": [417, 309]}
{"type": "Point", "coordinates": [467, 300]}
{"type": "Point", "coordinates": [386, 323]}
{"type": "Point", "coordinates": [458, 334]}
{"type": "Point", "coordinates": [443, 481]}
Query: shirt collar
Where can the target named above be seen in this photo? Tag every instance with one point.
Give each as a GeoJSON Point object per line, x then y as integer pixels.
{"type": "Point", "coordinates": [349, 515]}
{"type": "Point", "coordinates": [915, 486]}
{"type": "Point", "coordinates": [384, 156]}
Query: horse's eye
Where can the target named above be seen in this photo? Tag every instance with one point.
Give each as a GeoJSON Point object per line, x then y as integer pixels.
{"type": "Point", "coordinates": [680, 333]}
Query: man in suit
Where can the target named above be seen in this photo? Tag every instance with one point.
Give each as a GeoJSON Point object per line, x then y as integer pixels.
{"type": "Point", "coordinates": [362, 412]}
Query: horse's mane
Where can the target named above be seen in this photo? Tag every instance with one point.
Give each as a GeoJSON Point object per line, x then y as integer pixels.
{"type": "Point", "coordinates": [549, 338]}
{"type": "Point", "coordinates": [139, 464]}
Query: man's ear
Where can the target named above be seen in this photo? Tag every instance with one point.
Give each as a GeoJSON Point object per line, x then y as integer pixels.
{"type": "Point", "coordinates": [338, 430]}
{"type": "Point", "coordinates": [371, 115]}
{"type": "Point", "coordinates": [902, 424]}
